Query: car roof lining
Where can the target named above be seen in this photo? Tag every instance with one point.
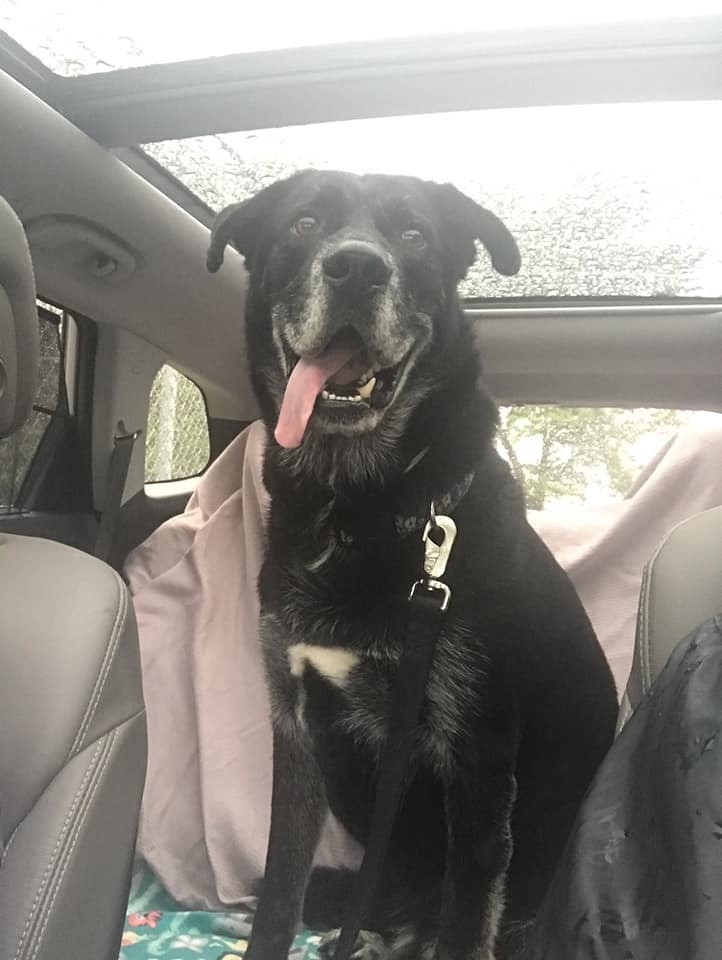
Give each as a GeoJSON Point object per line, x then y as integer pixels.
{"type": "Point", "coordinates": [676, 59]}
{"type": "Point", "coordinates": [170, 300]}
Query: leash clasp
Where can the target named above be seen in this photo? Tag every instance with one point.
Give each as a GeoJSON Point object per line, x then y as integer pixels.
{"type": "Point", "coordinates": [439, 536]}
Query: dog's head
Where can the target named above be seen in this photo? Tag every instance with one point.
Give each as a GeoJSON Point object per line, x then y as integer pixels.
{"type": "Point", "coordinates": [352, 303]}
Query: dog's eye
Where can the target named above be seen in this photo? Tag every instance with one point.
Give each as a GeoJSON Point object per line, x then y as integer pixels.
{"type": "Point", "coordinates": [306, 225]}
{"type": "Point", "coordinates": [413, 237]}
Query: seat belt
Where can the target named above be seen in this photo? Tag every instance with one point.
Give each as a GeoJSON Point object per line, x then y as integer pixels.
{"type": "Point", "coordinates": [428, 602]}
{"type": "Point", "coordinates": [120, 458]}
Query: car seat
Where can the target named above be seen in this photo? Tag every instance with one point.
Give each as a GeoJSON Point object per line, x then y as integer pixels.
{"type": "Point", "coordinates": [72, 719]}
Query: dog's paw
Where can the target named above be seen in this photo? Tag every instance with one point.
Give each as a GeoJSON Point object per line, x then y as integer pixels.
{"type": "Point", "coordinates": [267, 947]}
{"type": "Point", "coordinates": [368, 946]}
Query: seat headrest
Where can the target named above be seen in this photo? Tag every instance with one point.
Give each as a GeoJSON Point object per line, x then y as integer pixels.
{"type": "Point", "coordinates": [18, 324]}
{"type": "Point", "coordinates": [681, 589]}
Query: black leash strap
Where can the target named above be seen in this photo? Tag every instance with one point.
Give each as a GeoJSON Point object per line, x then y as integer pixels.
{"type": "Point", "coordinates": [428, 602]}
{"type": "Point", "coordinates": [115, 485]}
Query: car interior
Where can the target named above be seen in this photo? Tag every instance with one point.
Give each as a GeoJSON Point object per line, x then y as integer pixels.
{"type": "Point", "coordinates": [124, 383]}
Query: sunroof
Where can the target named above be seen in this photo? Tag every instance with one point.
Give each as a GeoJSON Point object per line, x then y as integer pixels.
{"type": "Point", "coordinates": [606, 200]}
{"type": "Point", "coordinates": [76, 37]}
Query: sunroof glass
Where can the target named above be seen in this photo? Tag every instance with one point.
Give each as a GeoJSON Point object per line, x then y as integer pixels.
{"type": "Point", "coordinates": [616, 200]}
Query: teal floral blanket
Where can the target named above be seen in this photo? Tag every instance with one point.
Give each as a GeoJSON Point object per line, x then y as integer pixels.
{"type": "Point", "coordinates": [156, 927]}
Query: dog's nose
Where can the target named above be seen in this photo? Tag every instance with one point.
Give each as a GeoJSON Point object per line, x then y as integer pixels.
{"type": "Point", "coordinates": [358, 265]}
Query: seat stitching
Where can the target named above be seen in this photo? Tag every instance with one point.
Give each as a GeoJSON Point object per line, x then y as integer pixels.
{"type": "Point", "coordinates": [105, 733]}
{"type": "Point", "coordinates": [122, 722]}
{"type": "Point", "coordinates": [111, 648]}
{"type": "Point", "coordinates": [102, 677]}
{"type": "Point", "coordinates": [645, 606]}
{"type": "Point", "coordinates": [3, 856]}
{"type": "Point", "coordinates": [644, 645]}
{"type": "Point", "coordinates": [61, 837]}
{"type": "Point", "coordinates": [77, 831]}
{"type": "Point", "coordinates": [625, 713]}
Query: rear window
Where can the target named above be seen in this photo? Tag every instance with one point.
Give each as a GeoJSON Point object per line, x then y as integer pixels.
{"type": "Point", "coordinates": [567, 456]}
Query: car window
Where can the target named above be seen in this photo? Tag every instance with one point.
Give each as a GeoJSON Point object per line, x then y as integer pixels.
{"type": "Point", "coordinates": [18, 451]}
{"type": "Point", "coordinates": [585, 455]}
{"type": "Point", "coordinates": [602, 200]}
{"type": "Point", "coordinates": [177, 443]}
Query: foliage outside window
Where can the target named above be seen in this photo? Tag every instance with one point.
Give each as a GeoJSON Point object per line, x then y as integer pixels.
{"type": "Point", "coordinates": [567, 455]}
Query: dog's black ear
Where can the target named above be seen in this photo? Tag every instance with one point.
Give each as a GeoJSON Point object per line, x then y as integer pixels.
{"type": "Point", "coordinates": [241, 224]}
{"type": "Point", "coordinates": [224, 231]}
{"type": "Point", "coordinates": [464, 221]}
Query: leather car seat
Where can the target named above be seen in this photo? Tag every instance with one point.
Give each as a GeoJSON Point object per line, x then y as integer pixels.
{"type": "Point", "coordinates": [681, 589]}
{"type": "Point", "coordinates": [72, 719]}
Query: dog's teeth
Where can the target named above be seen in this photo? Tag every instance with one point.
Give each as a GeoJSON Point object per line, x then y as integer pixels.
{"type": "Point", "coordinates": [367, 389]}
{"type": "Point", "coordinates": [344, 398]}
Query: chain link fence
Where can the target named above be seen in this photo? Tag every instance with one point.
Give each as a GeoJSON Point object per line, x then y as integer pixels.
{"type": "Point", "coordinates": [177, 444]}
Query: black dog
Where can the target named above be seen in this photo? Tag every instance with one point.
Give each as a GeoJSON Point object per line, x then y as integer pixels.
{"type": "Point", "coordinates": [367, 376]}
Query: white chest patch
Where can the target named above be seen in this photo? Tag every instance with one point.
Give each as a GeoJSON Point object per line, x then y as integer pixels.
{"type": "Point", "coordinates": [333, 663]}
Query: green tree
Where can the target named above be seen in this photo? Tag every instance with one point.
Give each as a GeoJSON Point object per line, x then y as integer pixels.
{"type": "Point", "coordinates": [558, 452]}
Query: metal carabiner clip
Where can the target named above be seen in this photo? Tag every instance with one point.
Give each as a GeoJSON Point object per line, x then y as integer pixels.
{"type": "Point", "coordinates": [436, 555]}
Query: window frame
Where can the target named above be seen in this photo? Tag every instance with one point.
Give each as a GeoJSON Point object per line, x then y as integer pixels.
{"type": "Point", "coordinates": [61, 463]}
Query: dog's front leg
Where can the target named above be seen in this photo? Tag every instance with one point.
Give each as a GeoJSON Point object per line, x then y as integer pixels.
{"type": "Point", "coordinates": [478, 810]}
{"type": "Point", "coordinates": [297, 812]}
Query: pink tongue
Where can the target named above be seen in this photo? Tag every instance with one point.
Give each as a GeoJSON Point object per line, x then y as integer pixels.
{"type": "Point", "coordinates": [307, 380]}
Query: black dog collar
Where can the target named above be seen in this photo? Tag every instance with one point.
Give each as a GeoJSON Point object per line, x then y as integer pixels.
{"type": "Point", "coordinates": [396, 526]}
{"type": "Point", "coordinates": [445, 504]}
